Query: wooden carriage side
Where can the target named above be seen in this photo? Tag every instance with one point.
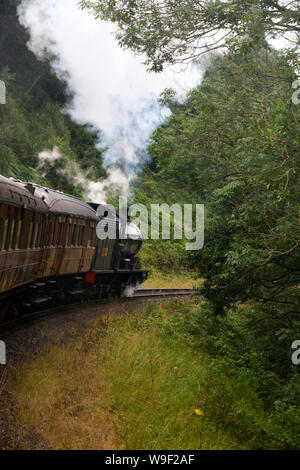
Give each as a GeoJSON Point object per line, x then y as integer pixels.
{"type": "Point", "coordinates": [23, 220]}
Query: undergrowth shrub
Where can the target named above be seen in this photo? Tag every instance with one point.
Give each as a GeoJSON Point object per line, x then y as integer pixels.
{"type": "Point", "coordinates": [244, 356]}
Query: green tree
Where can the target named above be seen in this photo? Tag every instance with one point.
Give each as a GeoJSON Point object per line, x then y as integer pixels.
{"type": "Point", "coordinates": [169, 31]}
{"type": "Point", "coordinates": [234, 146]}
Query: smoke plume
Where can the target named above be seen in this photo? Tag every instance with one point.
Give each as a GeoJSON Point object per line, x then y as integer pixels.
{"type": "Point", "coordinates": [116, 182]}
{"type": "Point", "coordinates": [111, 87]}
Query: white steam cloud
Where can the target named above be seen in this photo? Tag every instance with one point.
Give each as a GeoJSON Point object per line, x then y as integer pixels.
{"type": "Point", "coordinates": [49, 156]}
{"type": "Point", "coordinates": [116, 182]}
{"type": "Point", "coordinates": [112, 88]}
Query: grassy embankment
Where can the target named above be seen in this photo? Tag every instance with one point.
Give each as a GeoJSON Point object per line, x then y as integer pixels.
{"type": "Point", "coordinates": [135, 383]}
{"type": "Point", "coordinates": [170, 280]}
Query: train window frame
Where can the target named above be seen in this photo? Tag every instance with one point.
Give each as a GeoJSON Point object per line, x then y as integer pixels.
{"type": "Point", "coordinates": [2, 209]}
{"type": "Point", "coordinates": [4, 233]}
{"type": "Point", "coordinates": [11, 234]}
{"type": "Point", "coordinates": [67, 234]}
{"type": "Point", "coordinates": [34, 234]}
{"type": "Point", "coordinates": [74, 234]}
{"type": "Point", "coordinates": [38, 234]}
{"type": "Point", "coordinates": [33, 231]}
{"type": "Point", "coordinates": [61, 231]}
{"type": "Point", "coordinates": [29, 234]}
{"type": "Point", "coordinates": [70, 232]}
{"type": "Point", "coordinates": [2, 220]}
{"type": "Point", "coordinates": [41, 231]}
{"type": "Point", "coordinates": [94, 236]}
{"type": "Point", "coordinates": [90, 236]}
{"type": "Point", "coordinates": [9, 227]}
{"type": "Point", "coordinates": [17, 215]}
{"type": "Point", "coordinates": [3, 212]}
{"type": "Point", "coordinates": [49, 230]}
{"type": "Point", "coordinates": [25, 216]}
{"type": "Point", "coordinates": [78, 235]}
{"type": "Point", "coordinates": [81, 233]}
{"type": "Point", "coordinates": [53, 233]}
{"type": "Point", "coordinates": [19, 227]}
{"type": "Point", "coordinates": [85, 233]}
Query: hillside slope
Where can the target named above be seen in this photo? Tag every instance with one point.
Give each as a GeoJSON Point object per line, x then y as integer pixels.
{"type": "Point", "coordinates": [33, 119]}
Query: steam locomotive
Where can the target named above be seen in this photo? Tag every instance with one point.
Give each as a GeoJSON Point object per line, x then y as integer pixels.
{"type": "Point", "coordinates": [50, 253]}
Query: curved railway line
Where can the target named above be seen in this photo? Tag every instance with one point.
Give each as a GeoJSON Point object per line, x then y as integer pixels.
{"type": "Point", "coordinates": [139, 295]}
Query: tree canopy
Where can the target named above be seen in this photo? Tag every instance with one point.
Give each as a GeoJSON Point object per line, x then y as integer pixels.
{"type": "Point", "coordinates": [234, 146]}
{"type": "Point", "coordinates": [169, 31]}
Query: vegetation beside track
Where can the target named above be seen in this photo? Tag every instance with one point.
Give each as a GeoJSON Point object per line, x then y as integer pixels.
{"type": "Point", "coordinates": [162, 378]}
{"type": "Point", "coordinates": [170, 280]}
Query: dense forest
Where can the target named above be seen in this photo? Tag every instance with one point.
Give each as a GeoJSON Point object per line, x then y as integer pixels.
{"type": "Point", "coordinates": [33, 119]}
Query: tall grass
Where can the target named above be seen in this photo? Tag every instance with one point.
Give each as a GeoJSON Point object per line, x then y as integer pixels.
{"type": "Point", "coordinates": [170, 280]}
{"type": "Point", "coordinates": [136, 382]}
{"type": "Point", "coordinates": [157, 380]}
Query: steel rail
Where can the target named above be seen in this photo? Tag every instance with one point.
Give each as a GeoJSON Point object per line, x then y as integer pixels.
{"type": "Point", "coordinates": [140, 294]}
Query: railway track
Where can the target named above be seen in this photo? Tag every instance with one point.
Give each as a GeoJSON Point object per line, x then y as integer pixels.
{"type": "Point", "coordinates": [140, 294]}
{"type": "Point", "coordinates": [163, 292]}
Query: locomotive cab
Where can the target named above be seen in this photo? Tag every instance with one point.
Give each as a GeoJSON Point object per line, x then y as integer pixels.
{"type": "Point", "coordinates": [130, 246]}
{"type": "Point", "coordinates": [119, 253]}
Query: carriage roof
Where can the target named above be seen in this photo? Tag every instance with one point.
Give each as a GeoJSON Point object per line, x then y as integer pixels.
{"type": "Point", "coordinates": [43, 199]}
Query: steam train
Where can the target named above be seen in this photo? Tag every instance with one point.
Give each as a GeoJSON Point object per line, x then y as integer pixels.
{"type": "Point", "coordinates": [50, 253]}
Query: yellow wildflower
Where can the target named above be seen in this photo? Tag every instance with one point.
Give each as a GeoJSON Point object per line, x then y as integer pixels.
{"type": "Point", "coordinates": [199, 412]}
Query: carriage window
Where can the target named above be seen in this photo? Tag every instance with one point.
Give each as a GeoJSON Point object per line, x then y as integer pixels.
{"type": "Point", "coordinates": [9, 228]}
{"type": "Point", "coordinates": [36, 238]}
{"type": "Point", "coordinates": [67, 236]}
{"type": "Point", "coordinates": [10, 235]}
{"type": "Point", "coordinates": [29, 235]}
{"type": "Point", "coordinates": [71, 231]}
{"type": "Point", "coordinates": [40, 233]}
{"type": "Point", "coordinates": [34, 234]}
{"type": "Point", "coordinates": [50, 231]}
{"type": "Point", "coordinates": [15, 229]}
{"type": "Point", "coordinates": [60, 232]}
{"type": "Point", "coordinates": [5, 229]}
{"type": "Point", "coordinates": [80, 232]}
{"type": "Point", "coordinates": [91, 234]}
{"type": "Point", "coordinates": [80, 235]}
{"type": "Point", "coordinates": [83, 235]}
{"type": "Point", "coordinates": [1, 231]}
{"type": "Point", "coordinates": [18, 233]}
{"type": "Point", "coordinates": [53, 238]}
{"type": "Point", "coordinates": [74, 238]}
